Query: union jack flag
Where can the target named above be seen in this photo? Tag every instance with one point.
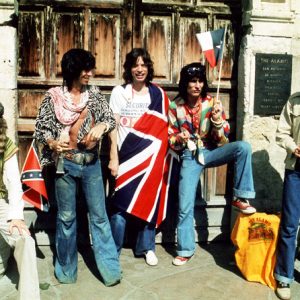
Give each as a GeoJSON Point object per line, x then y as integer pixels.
{"type": "Point", "coordinates": [145, 170]}
{"type": "Point", "coordinates": [33, 182]}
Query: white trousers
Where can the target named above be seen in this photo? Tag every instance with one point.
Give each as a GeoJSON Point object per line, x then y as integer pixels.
{"type": "Point", "coordinates": [25, 256]}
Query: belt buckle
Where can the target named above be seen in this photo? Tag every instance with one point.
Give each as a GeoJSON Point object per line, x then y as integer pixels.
{"type": "Point", "coordinates": [78, 158]}
{"type": "Point", "coordinates": [89, 157]}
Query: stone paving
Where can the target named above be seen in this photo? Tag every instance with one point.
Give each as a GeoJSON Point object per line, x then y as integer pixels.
{"type": "Point", "coordinates": [210, 275]}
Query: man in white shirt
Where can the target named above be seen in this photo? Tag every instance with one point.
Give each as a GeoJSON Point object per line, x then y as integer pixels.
{"type": "Point", "coordinates": [137, 156]}
{"type": "Point", "coordinates": [13, 230]}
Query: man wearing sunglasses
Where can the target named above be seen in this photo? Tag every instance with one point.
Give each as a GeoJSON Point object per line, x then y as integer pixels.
{"type": "Point", "coordinates": [198, 131]}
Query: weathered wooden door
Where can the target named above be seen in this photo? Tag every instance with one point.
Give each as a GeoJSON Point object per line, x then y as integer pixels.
{"type": "Point", "coordinates": [109, 29]}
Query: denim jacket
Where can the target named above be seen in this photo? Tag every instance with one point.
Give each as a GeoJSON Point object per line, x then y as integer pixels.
{"type": "Point", "coordinates": [288, 131]}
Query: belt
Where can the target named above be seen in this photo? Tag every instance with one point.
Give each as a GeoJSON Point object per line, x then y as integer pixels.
{"type": "Point", "coordinates": [80, 158]}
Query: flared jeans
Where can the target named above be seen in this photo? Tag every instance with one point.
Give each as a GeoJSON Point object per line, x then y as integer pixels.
{"type": "Point", "coordinates": [238, 152]}
{"type": "Point", "coordinates": [290, 214]}
{"type": "Point", "coordinates": [89, 176]}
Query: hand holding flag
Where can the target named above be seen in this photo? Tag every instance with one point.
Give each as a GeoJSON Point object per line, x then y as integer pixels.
{"type": "Point", "coordinates": [211, 43]}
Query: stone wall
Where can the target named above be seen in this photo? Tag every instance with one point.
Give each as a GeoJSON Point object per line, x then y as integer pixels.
{"type": "Point", "coordinates": [8, 63]}
{"type": "Point", "coordinates": [272, 27]}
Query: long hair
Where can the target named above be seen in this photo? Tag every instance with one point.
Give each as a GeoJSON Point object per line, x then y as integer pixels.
{"type": "Point", "coordinates": [3, 128]}
{"type": "Point", "coordinates": [131, 59]}
{"type": "Point", "coordinates": [74, 62]}
{"type": "Point", "coordinates": [189, 72]}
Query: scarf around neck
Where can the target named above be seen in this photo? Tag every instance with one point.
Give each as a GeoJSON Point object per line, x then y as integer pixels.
{"type": "Point", "coordinates": [66, 111]}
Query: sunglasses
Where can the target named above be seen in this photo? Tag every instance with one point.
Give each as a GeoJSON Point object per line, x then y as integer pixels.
{"type": "Point", "coordinates": [193, 71]}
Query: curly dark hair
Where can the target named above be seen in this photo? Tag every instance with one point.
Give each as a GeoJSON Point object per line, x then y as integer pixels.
{"type": "Point", "coordinates": [189, 72]}
{"type": "Point", "coordinates": [130, 61]}
{"type": "Point", "coordinates": [3, 128]}
{"type": "Point", "coordinates": [74, 62]}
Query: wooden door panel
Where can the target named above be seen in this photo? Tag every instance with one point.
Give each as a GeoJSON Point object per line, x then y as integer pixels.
{"type": "Point", "coordinates": [31, 41]}
{"type": "Point", "coordinates": [190, 50]}
{"type": "Point", "coordinates": [29, 102]}
{"type": "Point", "coordinates": [215, 180]}
{"type": "Point", "coordinates": [220, 180]}
{"type": "Point", "coordinates": [228, 49]}
{"type": "Point", "coordinates": [105, 36]}
{"type": "Point", "coordinates": [157, 40]}
{"type": "Point", "coordinates": [68, 33]}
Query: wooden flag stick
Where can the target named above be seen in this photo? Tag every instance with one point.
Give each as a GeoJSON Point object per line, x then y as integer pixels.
{"type": "Point", "coordinates": [221, 63]}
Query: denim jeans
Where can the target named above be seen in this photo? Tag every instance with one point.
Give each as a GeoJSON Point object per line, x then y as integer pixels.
{"type": "Point", "coordinates": [145, 232]}
{"type": "Point", "coordinates": [290, 214]}
{"type": "Point", "coordinates": [237, 152]}
{"type": "Point", "coordinates": [90, 178]}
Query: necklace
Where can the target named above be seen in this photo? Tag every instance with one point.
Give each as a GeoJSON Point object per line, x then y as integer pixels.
{"type": "Point", "coordinates": [194, 112]}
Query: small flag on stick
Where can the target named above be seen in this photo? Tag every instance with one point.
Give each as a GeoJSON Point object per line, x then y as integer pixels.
{"type": "Point", "coordinates": [34, 187]}
{"type": "Point", "coordinates": [211, 43]}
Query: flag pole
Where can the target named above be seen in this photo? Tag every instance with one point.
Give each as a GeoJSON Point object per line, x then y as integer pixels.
{"type": "Point", "coordinates": [221, 63]}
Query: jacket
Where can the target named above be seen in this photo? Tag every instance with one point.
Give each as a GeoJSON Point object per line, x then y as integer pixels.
{"type": "Point", "coordinates": [288, 130]}
{"type": "Point", "coordinates": [208, 135]}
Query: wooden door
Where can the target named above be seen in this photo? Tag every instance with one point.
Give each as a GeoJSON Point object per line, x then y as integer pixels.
{"type": "Point", "coordinates": [109, 29]}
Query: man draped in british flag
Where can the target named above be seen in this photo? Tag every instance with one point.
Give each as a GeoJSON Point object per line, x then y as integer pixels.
{"type": "Point", "coordinates": [139, 154]}
{"type": "Point", "coordinates": [13, 230]}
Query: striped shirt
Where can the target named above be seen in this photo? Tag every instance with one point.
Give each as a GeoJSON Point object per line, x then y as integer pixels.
{"type": "Point", "coordinates": [205, 134]}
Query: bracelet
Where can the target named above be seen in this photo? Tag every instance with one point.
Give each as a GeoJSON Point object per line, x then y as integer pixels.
{"type": "Point", "coordinates": [217, 124]}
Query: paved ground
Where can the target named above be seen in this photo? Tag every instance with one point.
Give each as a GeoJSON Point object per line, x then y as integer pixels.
{"type": "Point", "coordinates": [211, 275]}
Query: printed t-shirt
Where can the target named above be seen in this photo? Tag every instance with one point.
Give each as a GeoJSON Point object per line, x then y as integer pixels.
{"type": "Point", "coordinates": [255, 237]}
{"type": "Point", "coordinates": [130, 107]}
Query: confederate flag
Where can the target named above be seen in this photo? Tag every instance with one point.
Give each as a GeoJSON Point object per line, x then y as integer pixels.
{"type": "Point", "coordinates": [211, 43]}
{"type": "Point", "coordinates": [33, 182]}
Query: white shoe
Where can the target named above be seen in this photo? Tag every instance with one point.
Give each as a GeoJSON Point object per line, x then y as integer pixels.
{"type": "Point", "coordinates": [283, 291]}
{"type": "Point", "coordinates": [151, 258]}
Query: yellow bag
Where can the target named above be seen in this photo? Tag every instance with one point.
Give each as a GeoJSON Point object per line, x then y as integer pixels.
{"type": "Point", "coordinates": [255, 237]}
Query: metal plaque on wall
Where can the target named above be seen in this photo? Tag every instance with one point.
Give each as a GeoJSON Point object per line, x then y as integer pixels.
{"type": "Point", "coordinates": [273, 74]}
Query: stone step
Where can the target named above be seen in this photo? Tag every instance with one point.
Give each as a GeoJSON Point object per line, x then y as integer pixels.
{"type": "Point", "coordinates": [211, 223]}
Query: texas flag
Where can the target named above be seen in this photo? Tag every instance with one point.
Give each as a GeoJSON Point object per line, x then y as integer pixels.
{"type": "Point", "coordinates": [211, 43]}
{"type": "Point", "coordinates": [34, 187]}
